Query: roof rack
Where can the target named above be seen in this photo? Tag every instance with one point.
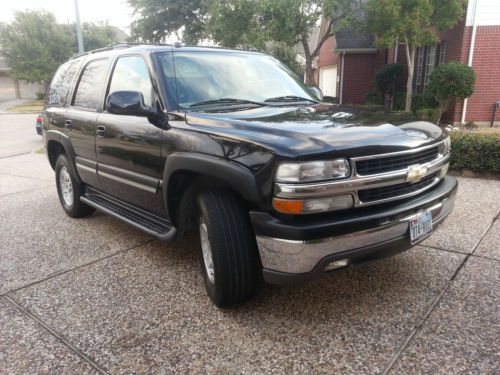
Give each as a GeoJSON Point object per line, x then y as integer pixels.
{"type": "Point", "coordinates": [107, 48]}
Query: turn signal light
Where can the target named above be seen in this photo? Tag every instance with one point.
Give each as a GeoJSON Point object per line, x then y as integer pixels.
{"type": "Point", "coordinates": [288, 206]}
{"type": "Point", "coordinates": [314, 205]}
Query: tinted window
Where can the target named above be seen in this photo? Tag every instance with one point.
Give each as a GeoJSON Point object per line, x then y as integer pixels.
{"type": "Point", "coordinates": [90, 86]}
{"type": "Point", "coordinates": [61, 83]}
{"type": "Point", "coordinates": [131, 74]}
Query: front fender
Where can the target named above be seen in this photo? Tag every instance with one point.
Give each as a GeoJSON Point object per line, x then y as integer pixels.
{"type": "Point", "coordinates": [65, 142]}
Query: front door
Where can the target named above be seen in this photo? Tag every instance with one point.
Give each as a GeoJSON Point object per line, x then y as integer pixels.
{"type": "Point", "coordinates": [128, 147]}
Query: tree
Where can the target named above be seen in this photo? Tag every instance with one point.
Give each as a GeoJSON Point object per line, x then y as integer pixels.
{"type": "Point", "coordinates": [244, 23]}
{"type": "Point", "coordinates": [385, 81]}
{"type": "Point", "coordinates": [34, 45]}
{"type": "Point", "coordinates": [159, 19]}
{"type": "Point", "coordinates": [291, 21]}
{"type": "Point", "coordinates": [97, 35]}
{"type": "Point", "coordinates": [449, 82]}
{"type": "Point", "coordinates": [413, 22]}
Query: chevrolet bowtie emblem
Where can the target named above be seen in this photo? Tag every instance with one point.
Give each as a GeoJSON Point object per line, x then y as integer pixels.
{"type": "Point", "coordinates": [416, 173]}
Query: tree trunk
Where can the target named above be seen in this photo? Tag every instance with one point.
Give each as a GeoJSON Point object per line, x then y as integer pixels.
{"type": "Point", "coordinates": [410, 62]}
{"type": "Point", "coordinates": [311, 81]}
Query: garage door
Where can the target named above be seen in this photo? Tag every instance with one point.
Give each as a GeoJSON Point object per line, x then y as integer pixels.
{"type": "Point", "coordinates": [7, 88]}
{"type": "Point", "coordinates": [328, 80]}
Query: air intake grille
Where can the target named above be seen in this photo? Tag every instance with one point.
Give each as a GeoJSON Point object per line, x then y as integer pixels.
{"type": "Point", "coordinates": [396, 162]}
{"type": "Point", "coordinates": [393, 191]}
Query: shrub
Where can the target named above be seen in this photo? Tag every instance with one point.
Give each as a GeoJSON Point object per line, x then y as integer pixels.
{"type": "Point", "coordinates": [40, 95]}
{"type": "Point", "coordinates": [418, 101]}
{"type": "Point", "coordinates": [479, 152]}
{"type": "Point", "coordinates": [451, 81]}
{"type": "Point", "coordinates": [429, 114]}
{"type": "Point", "coordinates": [373, 98]}
{"type": "Point", "coordinates": [330, 99]}
{"type": "Point", "coordinates": [385, 80]}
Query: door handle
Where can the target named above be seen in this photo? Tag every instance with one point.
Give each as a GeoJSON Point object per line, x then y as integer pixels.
{"type": "Point", "coordinates": [68, 125]}
{"type": "Point", "coordinates": [101, 131]}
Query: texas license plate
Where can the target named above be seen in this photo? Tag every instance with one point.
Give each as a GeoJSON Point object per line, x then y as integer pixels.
{"type": "Point", "coordinates": [420, 226]}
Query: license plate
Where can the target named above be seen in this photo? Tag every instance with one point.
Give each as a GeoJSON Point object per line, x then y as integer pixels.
{"type": "Point", "coordinates": [420, 226]}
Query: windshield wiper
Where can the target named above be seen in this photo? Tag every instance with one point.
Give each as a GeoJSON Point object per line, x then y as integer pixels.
{"type": "Point", "coordinates": [226, 101]}
{"type": "Point", "coordinates": [289, 98]}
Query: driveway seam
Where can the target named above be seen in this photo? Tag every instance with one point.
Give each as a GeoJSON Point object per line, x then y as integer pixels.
{"type": "Point", "coordinates": [434, 303]}
{"type": "Point", "coordinates": [12, 156]}
{"type": "Point", "coordinates": [63, 272]}
{"type": "Point", "coordinates": [58, 336]}
{"type": "Point", "coordinates": [459, 252]}
{"type": "Point", "coordinates": [22, 191]}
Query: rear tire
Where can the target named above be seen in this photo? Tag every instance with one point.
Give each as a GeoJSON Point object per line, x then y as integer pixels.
{"type": "Point", "coordinates": [228, 249]}
{"type": "Point", "coordinates": [70, 190]}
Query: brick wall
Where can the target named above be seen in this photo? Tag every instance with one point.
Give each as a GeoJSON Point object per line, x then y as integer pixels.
{"type": "Point", "coordinates": [359, 70]}
{"type": "Point", "coordinates": [327, 56]}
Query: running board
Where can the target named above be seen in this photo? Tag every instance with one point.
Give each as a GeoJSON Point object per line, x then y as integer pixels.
{"type": "Point", "coordinates": [145, 221]}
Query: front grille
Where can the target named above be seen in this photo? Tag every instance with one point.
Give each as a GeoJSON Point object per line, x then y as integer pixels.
{"type": "Point", "coordinates": [395, 162]}
{"type": "Point", "coordinates": [393, 191]}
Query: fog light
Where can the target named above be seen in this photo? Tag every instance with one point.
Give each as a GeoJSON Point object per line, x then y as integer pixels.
{"type": "Point", "coordinates": [337, 264]}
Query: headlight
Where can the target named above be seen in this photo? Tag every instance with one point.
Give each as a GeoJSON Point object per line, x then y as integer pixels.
{"type": "Point", "coordinates": [445, 146]}
{"type": "Point", "coordinates": [313, 171]}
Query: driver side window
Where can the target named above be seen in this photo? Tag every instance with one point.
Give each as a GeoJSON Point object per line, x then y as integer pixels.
{"type": "Point", "coordinates": [131, 74]}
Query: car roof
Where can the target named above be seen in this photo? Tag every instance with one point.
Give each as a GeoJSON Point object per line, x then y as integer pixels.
{"type": "Point", "coordinates": [126, 48]}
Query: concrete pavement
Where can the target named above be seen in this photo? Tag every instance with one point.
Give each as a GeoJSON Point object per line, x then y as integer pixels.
{"type": "Point", "coordinates": [94, 295]}
{"type": "Point", "coordinates": [18, 134]}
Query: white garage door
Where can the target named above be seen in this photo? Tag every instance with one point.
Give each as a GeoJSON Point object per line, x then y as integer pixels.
{"type": "Point", "coordinates": [328, 80]}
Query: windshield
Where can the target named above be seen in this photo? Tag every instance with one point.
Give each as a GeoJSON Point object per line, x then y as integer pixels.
{"type": "Point", "coordinates": [229, 79]}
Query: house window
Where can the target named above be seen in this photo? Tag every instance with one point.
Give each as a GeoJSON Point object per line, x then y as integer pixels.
{"type": "Point", "coordinates": [430, 63]}
{"type": "Point", "coordinates": [420, 64]}
{"type": "Point", "coordinates": [442, 52]}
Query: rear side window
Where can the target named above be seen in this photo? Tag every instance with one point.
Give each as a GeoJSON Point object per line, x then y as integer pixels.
{"type": "Point", "coordinates": [88, 92]}
{"type": "Point", "coordinates": [131, 74]}
{"type": "Point", "coordinates": [61, 83]}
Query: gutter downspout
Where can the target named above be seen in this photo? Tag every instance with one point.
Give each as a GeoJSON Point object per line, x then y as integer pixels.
{"type": "Point", "coordinates": [396, 46]}
{"type": "Point", "coordinates": [342, 78]}
{"type": "Point", "coordinates": [471, 53]}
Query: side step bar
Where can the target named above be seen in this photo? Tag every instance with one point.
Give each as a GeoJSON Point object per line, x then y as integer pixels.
{"type": "Point", "coordinates": [145, 221]}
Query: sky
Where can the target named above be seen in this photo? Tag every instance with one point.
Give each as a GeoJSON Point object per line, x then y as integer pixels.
{"type": "Point", "coordinates": [116, 12]}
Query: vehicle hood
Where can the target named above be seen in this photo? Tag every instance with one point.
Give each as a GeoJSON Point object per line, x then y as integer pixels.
{"type": "Point", "coordinates": [304, 131]}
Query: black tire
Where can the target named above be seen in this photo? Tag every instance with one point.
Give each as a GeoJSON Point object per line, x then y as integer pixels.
{"type": "Point", "coordinates": [74, 207]}
{"type": "Point", "coordinates": [232, 245]}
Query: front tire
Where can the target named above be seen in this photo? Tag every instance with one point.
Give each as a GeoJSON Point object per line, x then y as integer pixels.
{"type": "Point", "coordinates": [228, 250]}
{"type": "Point", "coordinates": [70, 190]}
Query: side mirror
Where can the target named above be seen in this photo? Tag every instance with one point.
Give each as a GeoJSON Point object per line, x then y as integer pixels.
{"type": "Point", "coordinates": [127, 103]}
{"type": "Point", "coordinates": [317, 93]}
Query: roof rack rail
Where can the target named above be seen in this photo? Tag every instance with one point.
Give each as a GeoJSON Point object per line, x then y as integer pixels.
{"type": "Point", "coordinates": [107, 48]}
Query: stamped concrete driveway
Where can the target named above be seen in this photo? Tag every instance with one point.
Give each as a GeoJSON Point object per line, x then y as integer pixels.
{"type": "Point", "coordinates": [96, 296]}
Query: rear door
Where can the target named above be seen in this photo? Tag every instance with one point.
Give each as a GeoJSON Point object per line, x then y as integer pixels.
{"type": "Point", "coordinates": [128, 147]}
{"type": "Point", "coordinates": [81, 117]}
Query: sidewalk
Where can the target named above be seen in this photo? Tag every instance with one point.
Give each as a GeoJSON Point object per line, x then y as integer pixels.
{"type": "Point", "coordinates": [4, 105]}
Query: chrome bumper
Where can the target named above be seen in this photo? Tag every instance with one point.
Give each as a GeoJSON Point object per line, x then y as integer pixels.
{"type": "Point", "coordinates": [295, 257]}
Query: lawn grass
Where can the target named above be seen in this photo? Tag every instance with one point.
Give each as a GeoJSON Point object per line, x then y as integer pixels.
{"type": "Point", "coordinates": [34, 106]}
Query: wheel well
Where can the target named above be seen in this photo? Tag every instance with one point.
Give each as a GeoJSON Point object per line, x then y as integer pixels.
{"type": "Point", "coordinates": [54, 149]}
{"type": "Point", "coordinates": [182, 190]}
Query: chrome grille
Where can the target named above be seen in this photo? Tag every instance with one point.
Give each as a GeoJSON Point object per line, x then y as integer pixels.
{"type": "Point", "coordinates": [392, 191]}
{"type": "Point", "coordinates": [391, 163]}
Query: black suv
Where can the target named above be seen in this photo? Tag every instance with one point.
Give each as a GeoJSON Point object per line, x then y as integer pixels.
{"type": "Point", "coordinates": [231, 144]}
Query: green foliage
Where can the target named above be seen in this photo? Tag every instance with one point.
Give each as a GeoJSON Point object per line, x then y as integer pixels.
{"type": "Point", "coordinates": [429, 114]}
{"type": "Point", "coordinates": [385, 79]}
{"type": "Point", "coordinates": [373, 98]}
{"type": "Point", "coordinates": [34, 45]}
{"type": "Point", "coordinates": [413, 22]}
{"type": "Point", "coordinates": [449, 82]}
{"type": "Point", "coordinates": [40, 95]}
{"type": "Point", "coordinates": [475, 151]}
{"type": "Point", "coordinates": [418, 101]}
{"type": "Point", "coordinates": [158, 20]}
{"type": "Point", "coordinates": [287, 56]}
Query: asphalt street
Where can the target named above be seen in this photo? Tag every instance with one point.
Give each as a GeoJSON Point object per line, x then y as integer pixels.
{"type": "Point", "coordinates": [95, 296]}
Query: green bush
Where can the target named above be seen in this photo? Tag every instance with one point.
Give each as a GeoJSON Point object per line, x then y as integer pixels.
{"type": "Point", "coordinates": [475, 151]}
{"type": "Point", "coordinates": [429, 114]}
{"type": "Point", "coordinates": [40, 95]}
{"type": "Point", "coordinates": [451, 81]}
{"type": "Point", "coordinates": [373, 98]}
{"type": "Point", "coordinates": [330, 99]}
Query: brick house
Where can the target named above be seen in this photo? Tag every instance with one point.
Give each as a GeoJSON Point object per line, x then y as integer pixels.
{"type": "Point", "coordinates": [474, 41]}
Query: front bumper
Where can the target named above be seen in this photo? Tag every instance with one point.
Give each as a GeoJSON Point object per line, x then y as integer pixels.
{"type": "Point", "coordinates": [295, 252]}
